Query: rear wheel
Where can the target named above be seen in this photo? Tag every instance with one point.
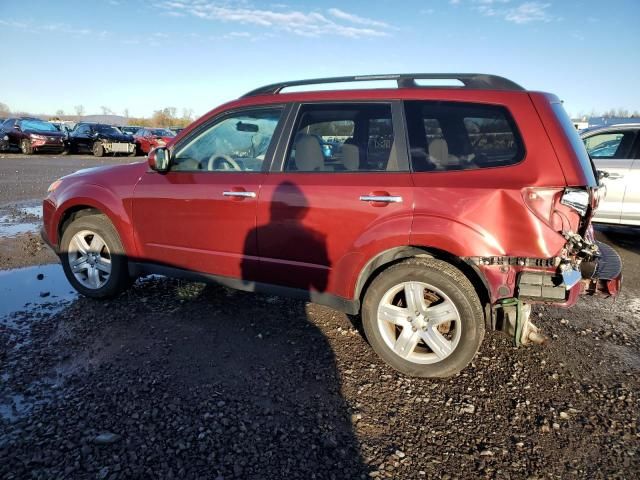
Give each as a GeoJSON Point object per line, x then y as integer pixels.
{"type": "Point", "coordinates": [26, 147]}
{"type": "Point", "coordinates": [424, 318]}
{"type": "Point", "coordinates": [98, 149]}
{"type": "Point", "coordinates": [93, 257]}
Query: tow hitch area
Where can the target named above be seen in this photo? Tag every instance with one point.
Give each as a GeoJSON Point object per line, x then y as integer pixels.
{"type": "Point", "coordinates": [513, 317]}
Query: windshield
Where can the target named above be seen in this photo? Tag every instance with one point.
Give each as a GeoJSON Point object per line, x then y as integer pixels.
{"type": "Point", "coordinates": [108, 129]}
{"type": "Point", "coordinates": [38, 126]}
{"type": "Point", "coordinates": [161, 132]}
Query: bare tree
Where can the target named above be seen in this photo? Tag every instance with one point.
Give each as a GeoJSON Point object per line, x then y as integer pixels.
{"type": "Point", "coordinates": [59, 113]}
{"type": "Point", "coordinates": [4, 110]}
{"type": "Point", "coordinates": [106, 110]}
{"type": "Point", "coordinates": [126, 113]}
{"type": "Point", "coordinates": [79, 111]}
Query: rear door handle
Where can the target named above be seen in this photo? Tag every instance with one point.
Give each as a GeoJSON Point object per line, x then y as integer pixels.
{"type": "Point", "coordinates": [615, 176]}
{"type": "Point", "coordinates": [381, 198]}
{"type": "Point", "coordinates": [241, 194]}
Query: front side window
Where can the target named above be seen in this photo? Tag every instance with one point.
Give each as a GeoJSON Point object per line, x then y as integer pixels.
{"type": "Point", "coordinates": [238, 142]}
{"type": "Point", "coordinates": [445, 136]}
{"type": "Point", "coordinates": [610, 145]}
{"type": "Point", "coordinates": [343, 138]}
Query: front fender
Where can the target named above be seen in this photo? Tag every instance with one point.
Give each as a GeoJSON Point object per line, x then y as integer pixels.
{"type": "Point", "coordinates": [114, 205]}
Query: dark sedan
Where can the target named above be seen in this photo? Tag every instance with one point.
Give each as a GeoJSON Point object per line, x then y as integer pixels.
{"type": "Point", "coordinates": [32, 135]}
{"type": "Point", "coordinates": [99, 138]}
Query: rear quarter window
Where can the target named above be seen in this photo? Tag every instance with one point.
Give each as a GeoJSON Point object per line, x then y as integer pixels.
{"type": "Point", "coordinates": [446, 136]}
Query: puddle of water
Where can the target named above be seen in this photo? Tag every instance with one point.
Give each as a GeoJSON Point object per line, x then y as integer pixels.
{"type": "Point", "coordinates": [43, 287]}
{"type": "Point", "coordinates": [20, 220]}
{"type": "Point", "coordinates": [35, 211]}
{"type": "Point", "coordinates": [11, 229]}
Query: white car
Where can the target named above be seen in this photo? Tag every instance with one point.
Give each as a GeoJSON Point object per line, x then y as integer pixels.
{"type": "Point", "coordinates": [615, 149]}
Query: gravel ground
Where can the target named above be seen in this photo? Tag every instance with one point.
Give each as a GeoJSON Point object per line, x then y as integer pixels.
{"type": "Point", "coordinates": [178, 380]}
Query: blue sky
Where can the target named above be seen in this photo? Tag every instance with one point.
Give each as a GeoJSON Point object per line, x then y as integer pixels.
{"type": "Point", "coordinates": [143, 55]}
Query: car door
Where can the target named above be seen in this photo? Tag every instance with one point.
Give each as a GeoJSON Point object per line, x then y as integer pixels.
{"type": "Point", "coordinates": [631, 204]}
{"type": "Point", "coordinates": [141, 138]}
{"type": "Point", "coordinates": [80, 137]}
{"type": "Point", "coordinates": [201, 215]}
{"type": "Point", "coordinates": [340, 189]}
{"type": "Point", "coordinates": [9, 127]}
{"type": "Point", "coordinates": [612, 152]}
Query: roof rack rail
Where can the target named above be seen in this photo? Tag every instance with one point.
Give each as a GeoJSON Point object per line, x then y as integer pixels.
{"type": "Point", "coordinates": [478, 81]}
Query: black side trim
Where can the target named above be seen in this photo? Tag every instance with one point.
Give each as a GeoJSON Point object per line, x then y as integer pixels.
{"type": "Point", "coordinates": [345, 305]}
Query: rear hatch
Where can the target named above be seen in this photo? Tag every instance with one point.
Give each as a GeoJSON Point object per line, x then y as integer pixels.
{"type": "Point", "coordinates": [601, 266]}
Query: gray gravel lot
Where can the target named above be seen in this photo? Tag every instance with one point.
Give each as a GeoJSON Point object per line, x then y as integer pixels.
{"type": "Point", "coordinates": [177, 380]}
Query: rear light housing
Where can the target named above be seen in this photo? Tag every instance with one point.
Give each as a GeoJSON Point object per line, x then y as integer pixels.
{"type": "Point", "coordinates": [560, 208]}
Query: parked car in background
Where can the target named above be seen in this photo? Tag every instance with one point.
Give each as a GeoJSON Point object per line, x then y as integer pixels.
{"type": "Point", "coordinates": [176, 130]}
{"type": "Point", "coordinates": [149, 138]}
{"type": "Point", "coordinates": [64, 126]}
{"type": "Point", "coordinates": [444, 212]}
{"type": "Point", "coordinates": [615, 150]}
{"type": "Point", "coordinates": [31, 135]}
{"type": "Point", "coordinates": [4, 142]}
{"type": "Point", "coordinates": [129, 129]}
{"type": "Point", "coordinates": [99, 138]}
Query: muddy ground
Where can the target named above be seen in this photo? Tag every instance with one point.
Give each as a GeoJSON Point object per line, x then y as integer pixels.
{"type": "Point", "coordinates": [177, 380]}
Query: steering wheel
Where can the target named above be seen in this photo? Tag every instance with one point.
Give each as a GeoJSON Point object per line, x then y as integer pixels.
{"type": "Point", "coordinates": [227, 161]}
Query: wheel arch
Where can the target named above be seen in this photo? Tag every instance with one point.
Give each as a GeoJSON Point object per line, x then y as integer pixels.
{"type": "Point", "coordinates": [89, 204]}
{"type": "Point", "coordinates": [383, 260]}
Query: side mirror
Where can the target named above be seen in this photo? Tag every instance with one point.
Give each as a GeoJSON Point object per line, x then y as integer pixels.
{"type": "Point", "coordinates": [159, 159]}
{"type": "Point", "coordinates": [602, 174]}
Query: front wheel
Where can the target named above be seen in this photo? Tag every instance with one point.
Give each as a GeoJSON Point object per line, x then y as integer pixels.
{"type": "Point", "coordinates": [26, 147]}
{"type": "Point", "coordinates": [98, 149]}
{"type": "Point", "coordinates": [93, 258]}
{"type": "Point", "coordinates": [424, 318]}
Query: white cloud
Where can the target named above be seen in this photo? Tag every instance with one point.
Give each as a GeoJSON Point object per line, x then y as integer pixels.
{"type": "Point", "coordinates": [527, 12]}
{"type": "Point", "coordinates": [350, 17]}
{"type": "Point", "coordinates": [311, 23]}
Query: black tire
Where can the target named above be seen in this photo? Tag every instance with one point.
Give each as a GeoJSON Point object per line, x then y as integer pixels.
{"type": "Point", "coordinates": [461, 293]}
{"type": "Point", "coordinates": [98, 149]}
{"type": "Point", "coordinates": [134, 153]}
{"type": "Point", "coordinates": [26, 147]}
{"type": "Point", "coordinates": [118, 279]}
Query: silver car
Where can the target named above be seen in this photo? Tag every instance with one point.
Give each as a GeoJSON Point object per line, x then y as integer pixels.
{"type": "Point", "coordinates": [615, 149]}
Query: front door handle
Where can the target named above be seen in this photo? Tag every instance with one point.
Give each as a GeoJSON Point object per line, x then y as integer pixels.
{"type": "Point", "coordinates": [241, 194]}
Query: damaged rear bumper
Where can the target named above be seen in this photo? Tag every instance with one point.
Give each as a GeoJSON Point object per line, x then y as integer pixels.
{"type": "Point", "coordinates": [604, 274]}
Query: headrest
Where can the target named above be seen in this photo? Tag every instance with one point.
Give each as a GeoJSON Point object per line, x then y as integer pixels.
{"type": "Point", "coordinates": [350, 156]}
{"type": "Point", "coordinates": [309, 156]}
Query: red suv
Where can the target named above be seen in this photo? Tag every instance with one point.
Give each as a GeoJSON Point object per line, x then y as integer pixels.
{"type": "Point", "coordinates": [437, 212]}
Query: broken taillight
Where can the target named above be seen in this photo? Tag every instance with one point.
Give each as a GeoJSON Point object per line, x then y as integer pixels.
{"type": "Point", "coordinates": [577, 199]}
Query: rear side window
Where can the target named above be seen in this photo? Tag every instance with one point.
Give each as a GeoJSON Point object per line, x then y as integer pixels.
{"type": "Point", "coordinates": [343, 138]}
{"type": "Point", "coordinates": [447, 136]}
